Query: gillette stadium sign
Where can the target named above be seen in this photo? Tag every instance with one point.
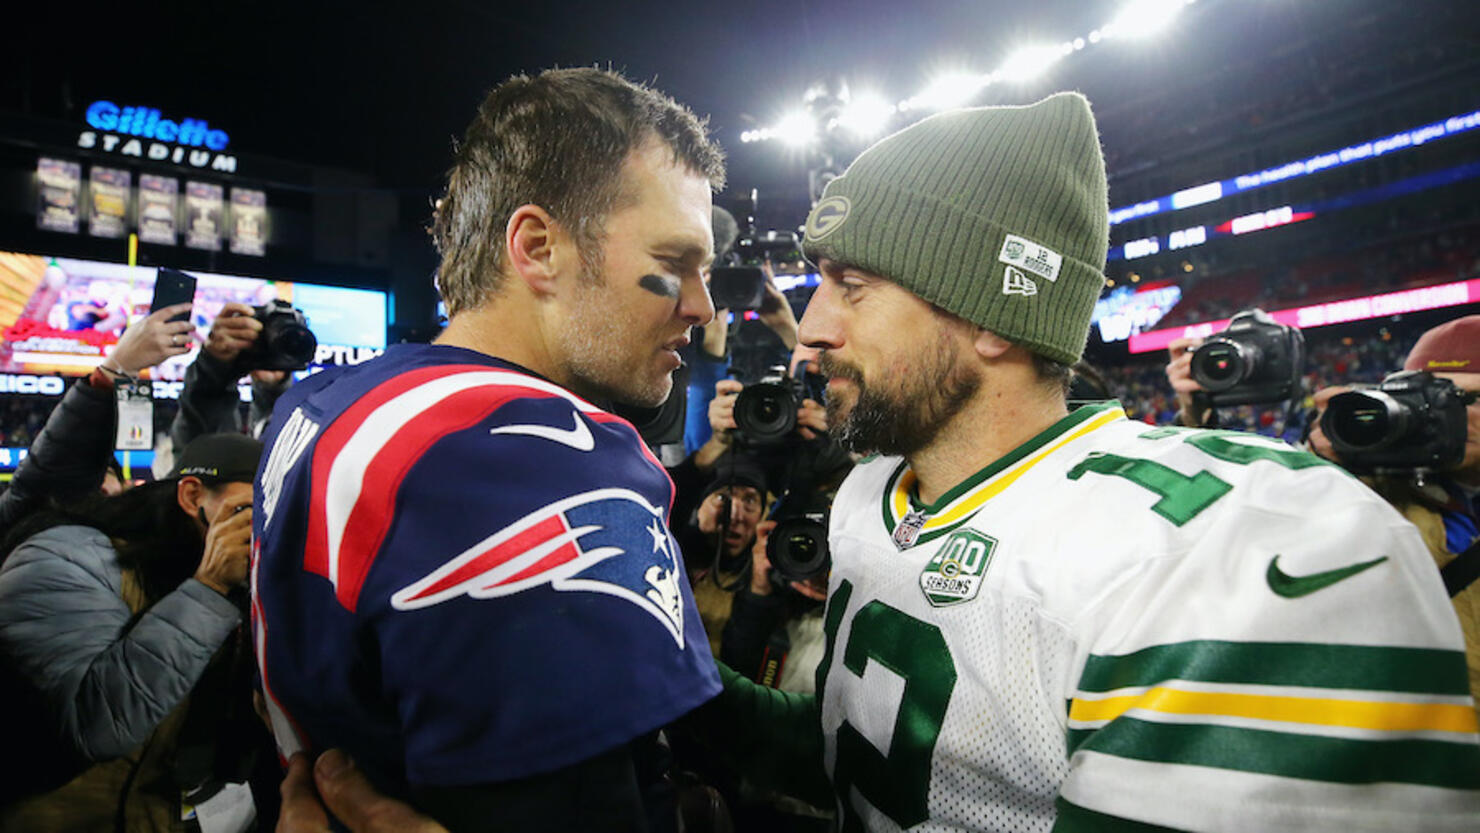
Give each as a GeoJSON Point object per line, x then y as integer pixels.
{"type": "Point", "coordinates": [144, 132]}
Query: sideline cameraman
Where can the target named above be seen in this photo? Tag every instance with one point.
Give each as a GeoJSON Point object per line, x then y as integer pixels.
{"type": "Point", "coordinates": [209, 402]}
{"type": "Point", "coordinates": [1444, 506]}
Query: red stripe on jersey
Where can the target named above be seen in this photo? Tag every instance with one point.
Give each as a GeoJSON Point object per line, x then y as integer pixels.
{"type": "Point", "coordinates": [316, 547]}
{"type": "Point", "coordinates": [370, 520]}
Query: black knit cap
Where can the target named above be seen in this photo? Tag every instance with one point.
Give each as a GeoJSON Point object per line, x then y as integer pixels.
{"type": "Point", "coordinates": [220, 457]}
{"type": "Point", "coordinates": [731, 470]}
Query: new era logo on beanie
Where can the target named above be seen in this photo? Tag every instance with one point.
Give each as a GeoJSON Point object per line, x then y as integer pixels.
{"type": "Point", "coordinates": [999, 215]}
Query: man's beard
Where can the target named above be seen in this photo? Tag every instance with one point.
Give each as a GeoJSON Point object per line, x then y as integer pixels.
{"type": "Point", "coordinates": [900, 420]}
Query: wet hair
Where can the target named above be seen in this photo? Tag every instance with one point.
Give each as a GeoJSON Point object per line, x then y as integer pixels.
{"type": "Point", "coordinates": [558, 140]}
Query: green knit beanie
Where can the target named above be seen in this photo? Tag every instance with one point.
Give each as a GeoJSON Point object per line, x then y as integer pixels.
{"type": "Point", "coordinates": [996, 214]}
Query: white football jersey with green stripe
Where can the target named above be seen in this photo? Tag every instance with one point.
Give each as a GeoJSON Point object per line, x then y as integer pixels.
{"type": "Point", "coordinates": [1134, 628]}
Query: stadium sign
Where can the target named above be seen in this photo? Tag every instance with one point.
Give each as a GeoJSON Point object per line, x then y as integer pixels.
{"type": "Point", "coordinates": [144, 132]}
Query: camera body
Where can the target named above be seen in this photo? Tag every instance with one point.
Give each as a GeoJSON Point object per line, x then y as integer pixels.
{"type": "Point", "coordinates": [741, 285]}
{"type": "Point", "coordinates": [1256, 359]}
{"type": "Point", "coordinates": [1412, 421]}
{"type": "Point", "coordinates": [285, 342]}
{"type": "Point", "coordinates": [766, 411]}
{"type": "Point", "coordinates": [772, 245]}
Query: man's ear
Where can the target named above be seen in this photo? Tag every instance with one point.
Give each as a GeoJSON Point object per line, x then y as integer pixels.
{"type": "Point", "coordinates": [190, 493]}
{"type": "Point", "coordinates": [537, 248]}
{"type": "Point", "coordinates": [989, 345]}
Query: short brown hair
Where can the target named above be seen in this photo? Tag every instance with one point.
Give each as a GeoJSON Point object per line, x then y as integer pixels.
{"type": "Point", "coordinates": [558, 140]}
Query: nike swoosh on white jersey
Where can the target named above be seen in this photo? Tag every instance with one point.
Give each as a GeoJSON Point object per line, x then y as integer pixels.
{"type": "Point", "coordinates": [578, 437]}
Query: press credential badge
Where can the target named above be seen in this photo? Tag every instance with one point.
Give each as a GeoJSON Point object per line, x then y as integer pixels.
{"type": "Point", "coordinates": [135, 415]}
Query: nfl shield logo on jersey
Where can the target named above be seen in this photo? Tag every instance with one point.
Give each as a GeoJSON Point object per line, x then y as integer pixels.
{"type": "Point", "coordinates": [954, 575]}
{"type": "Point", "coordinates": [908, 530]}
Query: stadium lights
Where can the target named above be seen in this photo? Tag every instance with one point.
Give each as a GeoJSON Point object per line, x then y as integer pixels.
{"type": "Point", "coordinates": [866, 115]}
{"type": "Point", "coordinates": [1143, 18]}
{"type": "Point", "coordinates": [951, 90]}
{"type": "Point", "coordinates": [796, 129]}
{"type": "Point", "coordinates": [1030, 62]}
{"type": "Point", "coordinates": [1138, 18]}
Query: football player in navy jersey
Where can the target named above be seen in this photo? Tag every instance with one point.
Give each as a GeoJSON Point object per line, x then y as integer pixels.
{"type": "Point", "coordinates": [465, 576]}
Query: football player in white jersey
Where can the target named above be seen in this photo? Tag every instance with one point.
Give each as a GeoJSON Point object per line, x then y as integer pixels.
{"type": "Point", "coordinates": [1043, 620]}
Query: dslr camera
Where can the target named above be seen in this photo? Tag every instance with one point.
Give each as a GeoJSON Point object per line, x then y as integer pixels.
{"type": "Point", "coordinates": [1412, 422]}
{"type": "Point", "coordinates": [766, 412]}
{"type": "Point", "coordinates": [285, 342]}
{"type": "Point", "coordinates": [1256, 359]}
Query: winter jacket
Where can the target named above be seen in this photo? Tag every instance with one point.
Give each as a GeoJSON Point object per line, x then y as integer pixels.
{"type": "Point", "coordinates": [69, 456]}
{"type": "Point", "coordinates": [102, 670]}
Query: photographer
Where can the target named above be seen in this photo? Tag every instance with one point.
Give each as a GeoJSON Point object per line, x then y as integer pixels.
{"type": "Point", "coordinates": [709, 362]}
{"type": "Point", "coordinates": [209, 402]}
{"type": "Point", "coordinates": [114, 615]}
{"type": "Point", "coordinates": [1443, 504]}
{"type": "Point", "coordinates": [69, 458]}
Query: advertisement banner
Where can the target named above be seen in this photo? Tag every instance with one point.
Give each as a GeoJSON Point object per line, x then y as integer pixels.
{"type": "Point", "coordinates": [158, 197]}
{"type": "Point", "coordinates": [108, 215]}
{"type": "Point", "coordinates": [248, 222]}
{"type": "Point", "coordinates": [203, 211]}
{"type": "Point", "coordinates": [61, 315]}
{"type": "Point", "coordinates": [59, 190]}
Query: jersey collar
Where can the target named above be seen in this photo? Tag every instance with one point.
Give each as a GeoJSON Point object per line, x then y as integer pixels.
{"type": "Point", "coordinates": [958, 505]}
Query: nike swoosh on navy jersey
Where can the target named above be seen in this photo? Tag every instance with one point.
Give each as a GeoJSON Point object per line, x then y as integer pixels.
{"type": "Point", "coordinates": [1293, 587]}
{"type": "Point", "coordinates": [578, 437]}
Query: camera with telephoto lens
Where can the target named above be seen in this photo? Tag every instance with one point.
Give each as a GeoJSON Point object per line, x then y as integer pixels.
{"type": "Point", "coordinates": [766, 412]}
{"type": "Point", "coordinates": [285, 342]}
{"type": "Point", "coordinates": [1413, 421]}
{"type": "Point", "coordinates": [797, 547]}
{"type": "Point", "coordinates": [1256, 359]}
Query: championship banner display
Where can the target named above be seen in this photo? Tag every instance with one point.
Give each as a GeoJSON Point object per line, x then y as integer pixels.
{"type": "Point", "coordinates": [203, 211]}
{"type": "Point", "coordinates": [59, 191]}
{"type": "Point", "coordinates": [109, 207]}
{"type": "Point", "coordinates": [158, 197]}
{"type": "Point", "coordinates": [61, 315]}
{"type": "Point", "coordinates": [248, 221]}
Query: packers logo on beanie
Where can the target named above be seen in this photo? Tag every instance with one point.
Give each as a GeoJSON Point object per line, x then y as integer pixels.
{"type": "Point", "coordinates": [997, 214]}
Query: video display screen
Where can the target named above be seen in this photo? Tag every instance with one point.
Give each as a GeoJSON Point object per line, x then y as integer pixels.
{"type": "Point", "coordinates": [62, 315]}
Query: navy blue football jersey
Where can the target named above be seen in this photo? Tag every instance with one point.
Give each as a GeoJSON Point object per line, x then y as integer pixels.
{"type": "Point", "coordinates": [463, 573]}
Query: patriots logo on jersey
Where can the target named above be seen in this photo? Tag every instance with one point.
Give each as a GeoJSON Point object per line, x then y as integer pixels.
{"type": "Point", "coordinates": [609, 541]}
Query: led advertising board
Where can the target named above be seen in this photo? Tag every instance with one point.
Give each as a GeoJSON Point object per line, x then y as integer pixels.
{"type": "Point", "coordinates": [62, 315]}
{"type": "Point", "coordinates": [1336, 312]}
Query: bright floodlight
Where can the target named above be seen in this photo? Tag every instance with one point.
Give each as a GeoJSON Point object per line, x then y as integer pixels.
{"type": "Point", "coordinates": [1029, 62]}
{"type": "Point", "coordinates": [1142, 18]}
{"type": "Point", "coordinates": [796, 129]}
{"type": "Point", "coordinates": [952, 90]}
{"type": "Point", "coordinates": [866, 115]}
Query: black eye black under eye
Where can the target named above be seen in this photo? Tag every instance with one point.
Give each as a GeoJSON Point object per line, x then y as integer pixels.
{"type": "Point", "coordinates": [660, 286]}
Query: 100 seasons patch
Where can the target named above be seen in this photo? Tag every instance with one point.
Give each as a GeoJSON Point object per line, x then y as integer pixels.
{"type": "Point", "coordinates": [955, 574]}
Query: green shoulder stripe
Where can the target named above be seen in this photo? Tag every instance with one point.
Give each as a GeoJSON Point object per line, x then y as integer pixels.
{"type": "Point", "coordinates": [1408, 670]}
{"type": "Point", "coordinates": [1075, 819]}
{"type": "Point", "coordinates": [1434, 763]}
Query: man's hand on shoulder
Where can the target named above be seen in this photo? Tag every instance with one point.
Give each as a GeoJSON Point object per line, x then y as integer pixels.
{"type": "Point", "coordinates": [335, 784]}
